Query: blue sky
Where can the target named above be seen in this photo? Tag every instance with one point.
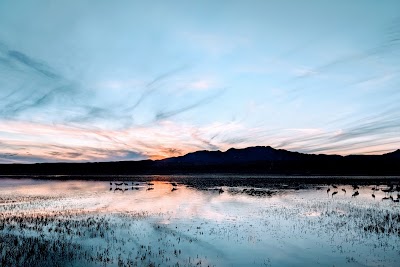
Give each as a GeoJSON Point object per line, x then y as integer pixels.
{"type": "Point", "coordinates": [129, 80]}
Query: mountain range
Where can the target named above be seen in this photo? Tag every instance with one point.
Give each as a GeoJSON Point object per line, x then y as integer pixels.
{"type": "Point", "coordinates": [251, 160]}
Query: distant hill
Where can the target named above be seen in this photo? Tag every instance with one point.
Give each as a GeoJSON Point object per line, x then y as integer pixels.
{"type": "Point", "coordinates": [239, 156]}
{"type": "Point", "coordinates": [233, 155]}
{"type": "Point", "coordinates": [251, 160]}
{"type": "Point", "coordinates": [394, 154]}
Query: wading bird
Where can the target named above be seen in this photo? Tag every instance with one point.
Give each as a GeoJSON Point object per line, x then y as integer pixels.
{"type": "Point", "coordinates": [388, 190]}
{"type": "Point", "coordinates": [355, 194]}
{"type": "Point", "coordinates": [344, 190]}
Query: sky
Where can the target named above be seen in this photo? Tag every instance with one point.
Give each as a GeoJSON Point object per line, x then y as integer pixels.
{"type": "Point", "coordinates": [131, 80]}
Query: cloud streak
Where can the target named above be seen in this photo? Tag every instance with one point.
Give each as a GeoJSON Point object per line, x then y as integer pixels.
{"type": "Point", "coordinates": [39, 67]}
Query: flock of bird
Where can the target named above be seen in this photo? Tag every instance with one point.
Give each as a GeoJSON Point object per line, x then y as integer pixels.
{"type": "Point", "coordinates": [389, 190]}
{"type": "Point", "coordinates": [124, 186]}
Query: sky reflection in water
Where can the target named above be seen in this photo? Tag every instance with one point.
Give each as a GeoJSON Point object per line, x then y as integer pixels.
{"type": "Point", "coordinates": [306, 227]}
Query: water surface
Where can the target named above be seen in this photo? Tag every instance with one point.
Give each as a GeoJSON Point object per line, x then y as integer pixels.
{"type": "Point", "coordinates": [172, 222]}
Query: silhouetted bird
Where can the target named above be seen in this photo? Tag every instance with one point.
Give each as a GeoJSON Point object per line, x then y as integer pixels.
{"type": "Point", "coordinates": [327, 191]}
{"type": "Point", "coordinates": [355, 187]}
{"type": "Point", "coordinates": [388, 190]}
{"type": "Point", "coordinates": [173, 189]}
{"type": "Point", "coordinates": [220, 190]}
{"type": "Point", "coordinates": [334, 193]}
{"type": "Point", "coordinates": [355, 194]}
{"type": "Point", "coordinates": [334, 186]}
{"type": "Point", "coordinates": [373, 195]}
{"type": "Point", "coordinates": [344, 190]}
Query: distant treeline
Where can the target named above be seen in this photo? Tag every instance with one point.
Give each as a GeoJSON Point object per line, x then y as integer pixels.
{"type": "Point", "coordinates": [255, 160]}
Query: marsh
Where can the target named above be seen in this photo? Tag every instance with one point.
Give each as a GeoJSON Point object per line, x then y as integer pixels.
{"type": "Point", "coordinates": [196, 221]}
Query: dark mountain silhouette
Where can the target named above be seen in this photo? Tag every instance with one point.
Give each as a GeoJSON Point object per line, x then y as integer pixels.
{"type": "Point", "coordinates": [257, 160]}
{"type": "Point", "coordinates": [394, 154]}
{"type": "Point", "coordinates": [245, 155]}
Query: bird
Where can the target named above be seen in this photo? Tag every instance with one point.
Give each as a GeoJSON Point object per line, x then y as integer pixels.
{"type": "Point", "coordinates": [388, 190]}
{"type": "Point", "coordinates": [173, 189]}
{"type": "Point", "coordinates": [344, 190]}
{"type": "Point", "coordinates": [373, 195]}
{"type": "Point", "coordinates": [355, 187]}
{"type": "Point", "coordinates": [334, 186]}
{"type": "Point", "coordinates": [334, 193]}
{"type": "Point", "coordinates": [355, 194]}
{"type": "Point", "coordinates": [220, 190]}
{"type": "Point", "coordinates": [327, 191]}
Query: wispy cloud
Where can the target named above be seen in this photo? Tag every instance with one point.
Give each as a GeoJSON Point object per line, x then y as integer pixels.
{"type": "Point", "coordinates": [161, 115]}
{"type": "Point", "coordinates": [39, 67]}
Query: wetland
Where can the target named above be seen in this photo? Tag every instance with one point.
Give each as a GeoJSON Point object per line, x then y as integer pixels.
{"type": "Point", "coordinates": [199, 221]}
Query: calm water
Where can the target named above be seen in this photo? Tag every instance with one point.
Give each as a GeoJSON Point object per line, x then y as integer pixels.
{"type": "Point", "coordinates": [158, 223]}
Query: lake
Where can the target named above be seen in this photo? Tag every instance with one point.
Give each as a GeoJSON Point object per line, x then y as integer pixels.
{"type": "Point", "coordinates": [198, 221]}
